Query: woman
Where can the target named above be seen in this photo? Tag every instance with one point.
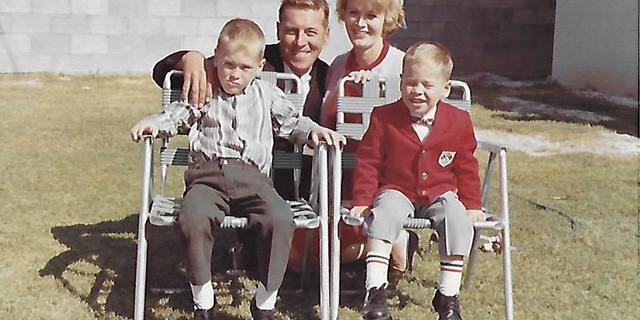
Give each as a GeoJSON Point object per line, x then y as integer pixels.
{"type": "Point", "coordinates": [368, 23]}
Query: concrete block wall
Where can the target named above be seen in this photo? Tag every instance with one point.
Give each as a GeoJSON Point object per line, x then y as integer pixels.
{"type": "Point", "coordinates": [596, 45]}
{"type": "Point", "coordinates": [506, 37]}
{"type": "Point", "coordinates": [115, 36]}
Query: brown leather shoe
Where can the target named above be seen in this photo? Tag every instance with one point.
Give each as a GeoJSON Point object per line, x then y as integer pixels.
{"type": "Point", "coordinates": [375, 305]}
{"type": "Point", "coordinates": [448, 308]}
{"type": "Point", "coordinates": [259, 314]}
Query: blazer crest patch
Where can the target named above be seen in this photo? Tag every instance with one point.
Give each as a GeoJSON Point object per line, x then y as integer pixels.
{"type": "Point", "coordinates": [446, 157]}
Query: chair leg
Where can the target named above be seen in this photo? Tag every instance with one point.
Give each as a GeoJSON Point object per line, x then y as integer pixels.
{"type": "Point", "coordinates": [508, 288]}
{"type": "Point", "coordinates": [141, 272]}
{"type": "Point", "coordinates": [145, 201]}
{"type": "Point", "coordinates": [506, 237]}
{"type": "Point", "coordinates": [336, 197]}
{"type": "Point", "coordinates": [335, 266]}
{"type": "Point", "coordinates": [306, 260]}
{"type": "Point", "coordinates": [324, 233]}
{"type": "Point", "coordinates": [471, 263]}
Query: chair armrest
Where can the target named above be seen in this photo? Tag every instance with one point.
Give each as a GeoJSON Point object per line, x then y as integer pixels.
{"type": "Point", "coordinates": [490, 146]}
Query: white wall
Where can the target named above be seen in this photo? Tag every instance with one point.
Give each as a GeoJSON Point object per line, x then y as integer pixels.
{"type": "Point", "coordinates": [596, 45]}
{"type": "Point", "coordinates": [123, 36]}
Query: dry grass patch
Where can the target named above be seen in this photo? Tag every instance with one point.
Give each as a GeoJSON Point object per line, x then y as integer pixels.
{"type": "Point", "coordinates": [69, 184]}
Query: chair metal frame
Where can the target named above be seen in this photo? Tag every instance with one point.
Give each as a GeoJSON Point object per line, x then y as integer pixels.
{"type": "Point", "coordinates": [162, 211]}
{"type": "Point", "coordinates": [371, 97]}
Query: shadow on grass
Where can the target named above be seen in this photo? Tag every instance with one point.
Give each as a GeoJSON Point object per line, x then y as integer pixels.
{"type": "Point", "coordinates": [99, 269]}
{"type": "Point", "coordinates": [547, 100]}
{"type": "Point", "coordinates": [100, 264]}
{"type": "Point", "coordinates": [627, 124]}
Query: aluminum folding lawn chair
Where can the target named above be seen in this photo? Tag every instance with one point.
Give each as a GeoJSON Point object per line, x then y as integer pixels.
{"type": "Point", "coordinates": [162, 210]}
{"type": "Point", "coordinates": [373, 96]}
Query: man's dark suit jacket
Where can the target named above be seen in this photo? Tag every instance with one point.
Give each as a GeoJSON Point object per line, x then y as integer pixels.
{"type": "Point", "coordinates": [283, 179]}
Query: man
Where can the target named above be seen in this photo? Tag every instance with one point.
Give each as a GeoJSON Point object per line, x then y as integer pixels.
{"type": "Point", "coordinates": [302, 31]}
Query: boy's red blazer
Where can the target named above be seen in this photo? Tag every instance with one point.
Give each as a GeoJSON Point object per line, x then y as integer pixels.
{"type": "Point", "coordinates": [391, 156]}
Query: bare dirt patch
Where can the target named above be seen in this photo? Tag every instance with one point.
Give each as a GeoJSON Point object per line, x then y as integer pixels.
{"type": "Point", "coordinates": [605, 143]}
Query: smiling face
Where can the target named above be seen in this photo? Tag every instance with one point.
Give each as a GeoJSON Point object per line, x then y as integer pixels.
{"type": "Point", "coordinates": [423, 85]}
{"type": "Point", "coordinates": [302, 33]}
{"type": "Point", "coordinates": [426, 70]}
{"type": "Point", "coordinates": [364, 23]}
{"type": "Point", "coordinates": [236, 66]}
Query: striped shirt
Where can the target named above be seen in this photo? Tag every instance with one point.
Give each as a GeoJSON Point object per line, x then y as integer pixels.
{"type": "Point", "coordinates": [238, 126]}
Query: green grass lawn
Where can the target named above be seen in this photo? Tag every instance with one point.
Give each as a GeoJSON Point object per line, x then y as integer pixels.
{"type": "Point", "coordinates": [69, 190]}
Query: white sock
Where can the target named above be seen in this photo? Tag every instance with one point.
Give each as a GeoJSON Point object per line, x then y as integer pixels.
{"type": "Point", "coordinates": [265, 300]}
{"type": "Point", "coordinates": [450, 276]}
{"type": "Point", "coordinates": [202, 295]}
{"type": "Point", "coordinates": [377, 267]}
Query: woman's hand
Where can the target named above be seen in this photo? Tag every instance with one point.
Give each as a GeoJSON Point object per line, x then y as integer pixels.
{"type": "Point", "coordinates": [361, 76]}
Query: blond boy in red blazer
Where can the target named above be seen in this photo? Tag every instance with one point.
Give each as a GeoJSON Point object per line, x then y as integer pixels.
{"type": "Point", "coordinates": [417, 158]}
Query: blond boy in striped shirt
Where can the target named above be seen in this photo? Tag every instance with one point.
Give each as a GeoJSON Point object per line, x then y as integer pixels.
{"type": "Point", "coordinates": [231, 141]}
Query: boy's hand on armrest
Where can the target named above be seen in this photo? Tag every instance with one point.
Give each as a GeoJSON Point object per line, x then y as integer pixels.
{"type": "Point", "coordinates": [359, 211]}
{"type": "Point", "coordinates": [476, 215]}
{"type": "Point", "coordinates": [197, 85]}
{"type": "Point", "coordinates": [323, 134]}
{"type": "Point", "coordinates": [144, 127]}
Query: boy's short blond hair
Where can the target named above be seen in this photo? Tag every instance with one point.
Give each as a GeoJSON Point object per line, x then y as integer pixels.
{"type": "Point", "coordinates": [307, 4]}
{"type": "Point", "coordinates": [392, 9]}
{"type": "Point", "coordinates": [434, 54]}
{"type": "Point", "coordinates": [242, 35]}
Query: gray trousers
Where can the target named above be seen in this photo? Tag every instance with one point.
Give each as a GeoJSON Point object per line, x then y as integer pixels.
{"type": "Point", "coordinates": [447, 214]}
{"type": "Point", "coordinates": [219, 187]}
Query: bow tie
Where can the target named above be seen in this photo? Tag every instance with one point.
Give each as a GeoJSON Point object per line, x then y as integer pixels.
{"type": "Point", "coordinates": [426, 122]}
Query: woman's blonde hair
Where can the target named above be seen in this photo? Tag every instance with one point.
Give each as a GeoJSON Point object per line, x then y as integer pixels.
{"type": "Point", "coordinates": [434, 54]}
{"type": "Point", "coordinates": [392, 10]}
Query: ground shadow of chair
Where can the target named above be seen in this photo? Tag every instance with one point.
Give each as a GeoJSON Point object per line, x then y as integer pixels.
{"type": "Point", "coordinates": [96, 267]}
{"type": "Point", "coordinates": [100, 252]}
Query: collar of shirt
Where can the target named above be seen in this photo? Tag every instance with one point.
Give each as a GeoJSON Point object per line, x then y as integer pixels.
{"type": "Point", "coordinates": [427, 119]}
{"type": "Point", "coordinates": [224, 95]}
{"type": "Point", "coordinates": [304, 79]}
{"type": "Point", "coordinates": [306, 76]}
{"type": "Point", "coordinates": [351, 61]}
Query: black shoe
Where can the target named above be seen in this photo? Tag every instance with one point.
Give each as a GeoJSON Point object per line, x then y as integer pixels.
{"type": "Point", "coordinates": [448, 308]}
{"type": "Point", "coordinates": [259, 314]}
{"type": "Point", "coordinates": [202, 314]}
{"type": "Point", "coordinates": [413, 247]}
{"type": "Point", "coordinates": [375, 305]}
